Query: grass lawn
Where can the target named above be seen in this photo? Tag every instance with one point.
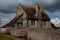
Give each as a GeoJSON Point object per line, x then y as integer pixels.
{"type": "Point", "coordinates": [4, 38]}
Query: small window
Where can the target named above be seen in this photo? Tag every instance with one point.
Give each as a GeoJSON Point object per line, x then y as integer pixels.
{"type": "Point", "coordinates": [32, 22]}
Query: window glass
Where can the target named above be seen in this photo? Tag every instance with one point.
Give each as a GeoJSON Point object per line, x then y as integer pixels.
{"type": "Point", "coordinates": [32, 22]}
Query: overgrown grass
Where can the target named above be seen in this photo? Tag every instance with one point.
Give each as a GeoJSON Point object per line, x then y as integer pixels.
{"type": "Point", "coordinates": [2, 37]}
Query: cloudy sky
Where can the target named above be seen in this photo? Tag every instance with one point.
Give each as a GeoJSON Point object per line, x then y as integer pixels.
{"type": "Point", "coordinates": [8, 9]}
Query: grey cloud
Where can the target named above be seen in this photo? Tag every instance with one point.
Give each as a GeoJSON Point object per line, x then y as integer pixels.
{"type": "Point", "coordinates": [10, 6]}
{"type": "Point", "coordinates": [49, 5]}
{"type": "Point", "coordinates": [6, 17]}
{"type": "Point", "coordinates": [53, 7]}
{"type": "Point", "coordinates": [57, 12]}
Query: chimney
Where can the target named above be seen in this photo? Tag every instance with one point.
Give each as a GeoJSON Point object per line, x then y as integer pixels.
{"type": "Point", "coordinates": [40, 10]}
{"type": "Point", "coordinates": [19, 10]}
{"type": "Point", "coordinates": [37, 8]}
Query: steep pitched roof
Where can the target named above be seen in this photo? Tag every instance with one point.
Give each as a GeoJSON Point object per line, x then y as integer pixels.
{"type": "Point", "coordinates": [30, 12]}
{"type": "Point", "coordinates": [13, 20]}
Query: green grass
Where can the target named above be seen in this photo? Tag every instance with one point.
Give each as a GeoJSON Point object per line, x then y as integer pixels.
{"type": "Point", "coordinates": [4, 38]}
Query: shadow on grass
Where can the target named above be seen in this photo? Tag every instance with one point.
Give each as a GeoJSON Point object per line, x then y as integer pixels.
{"type": "Point", "coordinates": [2, 37]}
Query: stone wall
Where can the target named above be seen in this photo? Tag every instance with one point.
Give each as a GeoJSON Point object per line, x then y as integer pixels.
{"type": "Point", "coordinates": [24, 23]}
{"type": "Point", "coordinates": [46, 24]}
